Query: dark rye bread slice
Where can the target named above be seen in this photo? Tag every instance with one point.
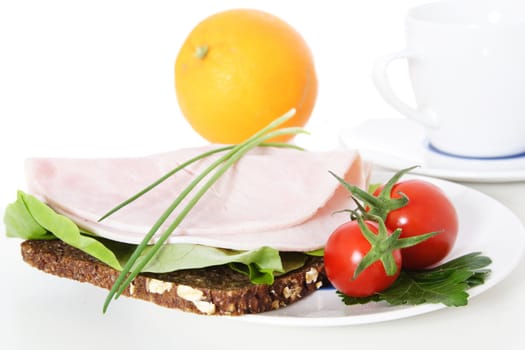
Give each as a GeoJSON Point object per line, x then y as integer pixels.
{"type": "Point", "coordinates": [215, 290]}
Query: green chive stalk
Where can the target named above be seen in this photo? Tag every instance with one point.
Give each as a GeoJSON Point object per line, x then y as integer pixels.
{"type": "Point", "coordinates": [183, 166]}
{"type": "Point", "coordinates": [132, 268]}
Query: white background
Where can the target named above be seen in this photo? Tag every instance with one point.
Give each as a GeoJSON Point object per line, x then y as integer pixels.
{"type": "Point", "coordinates": [95, 78]}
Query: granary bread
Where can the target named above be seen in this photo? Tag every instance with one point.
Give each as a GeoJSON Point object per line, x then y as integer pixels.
{"type": "Point", "coordinates": [214, 290]}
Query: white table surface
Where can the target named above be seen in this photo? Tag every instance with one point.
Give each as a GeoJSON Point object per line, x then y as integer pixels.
{"type": "Point", "coordinates": [95, 79]}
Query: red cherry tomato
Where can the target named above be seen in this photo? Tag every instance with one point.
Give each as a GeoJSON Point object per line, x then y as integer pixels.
{"type": "Point", "coordinates": [344, 250]}
{"type": "Point", "coordinates": [428, 210]}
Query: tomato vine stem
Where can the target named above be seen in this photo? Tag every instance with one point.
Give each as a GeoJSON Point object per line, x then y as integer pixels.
{"type": "Point", "coordinates": [383, 244]}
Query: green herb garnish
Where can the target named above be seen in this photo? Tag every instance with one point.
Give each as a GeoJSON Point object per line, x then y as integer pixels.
{"type": "Point", "coordinates": [181, 167]}
{"type": "Point", "coordinates": [135, 265]}
{"type": "Point", "coordinates": [447, 284]}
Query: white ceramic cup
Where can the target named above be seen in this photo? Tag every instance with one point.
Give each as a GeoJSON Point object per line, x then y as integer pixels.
{"type": "Point", "coordinates": [466, 60]}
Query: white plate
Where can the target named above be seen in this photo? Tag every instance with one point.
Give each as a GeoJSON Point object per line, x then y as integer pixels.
{"type": "Point", "coordinates": [485, 226]}
{"type": "Point", "coordinates": [400, 143]}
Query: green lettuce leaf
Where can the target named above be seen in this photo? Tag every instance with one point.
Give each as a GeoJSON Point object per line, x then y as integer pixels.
{"type": "Point", "coordinates": [260, 274]}
{"type": "Point", "coordinates": [259, 264]}
{"type": "Point", "coordinates": [317, 252]}
{"type": "Point", "coordinates": [29, 218]}
{"type": "Point", "coordinates": [20, 223]}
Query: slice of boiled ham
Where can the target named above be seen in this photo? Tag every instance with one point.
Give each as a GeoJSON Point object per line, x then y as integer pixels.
{"type": "Point", "coordinates": [282, 198]}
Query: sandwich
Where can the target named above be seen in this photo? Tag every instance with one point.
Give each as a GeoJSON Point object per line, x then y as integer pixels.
{"type": "Point", "coordinates": [252, 243]}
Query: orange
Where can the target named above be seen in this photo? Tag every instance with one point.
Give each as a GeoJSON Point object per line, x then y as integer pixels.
{"type": "Point", "coordinates": [240, 69]}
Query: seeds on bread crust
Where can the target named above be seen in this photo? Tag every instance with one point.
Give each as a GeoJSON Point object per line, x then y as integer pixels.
{"type": "Point", "coordinates": [216, 290]}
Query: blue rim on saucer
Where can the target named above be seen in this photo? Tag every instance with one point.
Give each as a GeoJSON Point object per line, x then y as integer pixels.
{"type": "Point", "coordinates": [433, 148]}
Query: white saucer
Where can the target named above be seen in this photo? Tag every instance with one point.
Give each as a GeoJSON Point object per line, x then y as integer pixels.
{"type": "Point", "coordinates": [400, 143]}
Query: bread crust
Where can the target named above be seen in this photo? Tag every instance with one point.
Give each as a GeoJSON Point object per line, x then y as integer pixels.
{"type": "Point", "coordinates": [212, 291]}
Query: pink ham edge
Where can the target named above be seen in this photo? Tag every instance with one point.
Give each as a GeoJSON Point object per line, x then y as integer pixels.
{"type": "Point", "coordinates": [272, 197]}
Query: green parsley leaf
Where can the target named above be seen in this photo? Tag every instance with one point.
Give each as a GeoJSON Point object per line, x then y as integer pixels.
{"type": "Point", "coordinates": [447, 284]}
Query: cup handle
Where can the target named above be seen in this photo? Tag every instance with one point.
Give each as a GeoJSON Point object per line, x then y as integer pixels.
{"type": "Point", "coordinates": [382, 83]}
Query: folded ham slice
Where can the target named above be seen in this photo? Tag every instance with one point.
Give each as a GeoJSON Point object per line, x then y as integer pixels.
{"type": "Point", "coordinates": [282, 198]}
